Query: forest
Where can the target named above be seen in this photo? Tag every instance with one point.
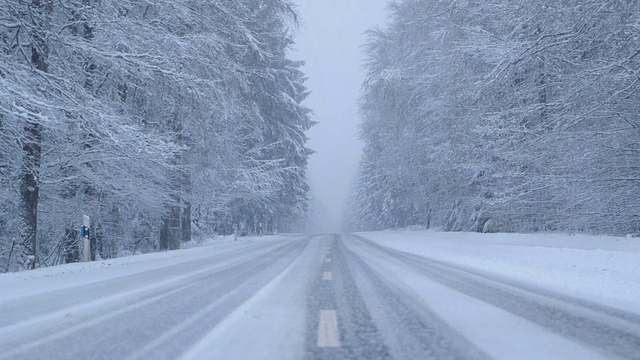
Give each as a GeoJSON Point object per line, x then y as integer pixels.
{"type": "Point", "coordinates": [159, 119]}
{"type": "Point", "coordinates": [502, 116]}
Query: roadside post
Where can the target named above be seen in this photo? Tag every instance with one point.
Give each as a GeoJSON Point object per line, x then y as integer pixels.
{"type": "Point", "coordinates": [84, 231]}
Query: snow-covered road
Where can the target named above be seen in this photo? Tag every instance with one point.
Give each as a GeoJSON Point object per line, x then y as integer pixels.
{"type": "Point", "coordinates": [367, 296]}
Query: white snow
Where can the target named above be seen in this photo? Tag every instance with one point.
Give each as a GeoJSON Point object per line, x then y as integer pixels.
{"type": "Point", "coordinates": [272, 322]}
{"type": "Point", "coordinates": [68, 275]}
{"type": "Point", "coordinates": [597, 268]}
{"type": "Point", "coordinates": [603, 269]}
{"type": "Point", "coordinates": [600, 269]}
{"type": "Point", "coordinates": [484, 324]}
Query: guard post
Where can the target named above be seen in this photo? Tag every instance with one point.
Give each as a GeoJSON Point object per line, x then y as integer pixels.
{"type": "Point", "coordinates": [84, 231]}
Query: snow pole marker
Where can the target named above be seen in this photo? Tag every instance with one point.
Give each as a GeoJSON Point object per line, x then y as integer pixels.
{"type": "Point", "coordinates": [84, 231]}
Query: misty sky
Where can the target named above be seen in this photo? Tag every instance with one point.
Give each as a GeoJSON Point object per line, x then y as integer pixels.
{"type": "Point", "coordinates": [329, 40]}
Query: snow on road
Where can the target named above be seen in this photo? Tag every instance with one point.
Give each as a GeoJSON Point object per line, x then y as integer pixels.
{"type": "Point", "coordinates": [601, 268]}
{"type": "Point", "coordinates": [393, 294]}
{"type": "Point", "coordinates": [502, 311]}
{"type": "Point", "coordinates": [68, 275]}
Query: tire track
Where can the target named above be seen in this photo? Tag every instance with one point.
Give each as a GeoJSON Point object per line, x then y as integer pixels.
{"type": "Point", "coordinates": [18, 309]}
{"type": "Point", "coordinates": [414, 330]}
{"type": "Point", "coordinates": [359, 336]}
{"type": "Point", "coordinates": [120, 328]}
{"type": "Point", "coordinates": [611, 331]}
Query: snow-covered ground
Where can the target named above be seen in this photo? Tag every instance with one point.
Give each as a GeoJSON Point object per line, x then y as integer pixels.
{"type": "Point", "coordinates": [600, 267]}
{"type": "Point", "coordinates": [605, 269]}
{"type": "Point", "coordinates": [462, 295]}
{"type": "Point", "coordinates": [62, 276]}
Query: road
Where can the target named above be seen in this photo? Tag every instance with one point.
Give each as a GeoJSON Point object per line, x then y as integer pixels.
{"type": "Point", "coordinates": [313, 297]}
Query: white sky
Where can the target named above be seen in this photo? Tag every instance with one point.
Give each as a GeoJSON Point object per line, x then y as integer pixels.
{"type": "Point", "coordinates": [329, 40]}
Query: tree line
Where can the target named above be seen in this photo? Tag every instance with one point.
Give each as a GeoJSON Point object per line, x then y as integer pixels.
{"type": "Point", "coordinates": [151, 117]}
{"type": "Point", "coordinates": [502, 115]}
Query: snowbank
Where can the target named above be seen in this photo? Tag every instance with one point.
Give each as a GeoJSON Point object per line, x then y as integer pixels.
{"type": "Point", "coordinates": [68, 275]}
{"type": "Point", "coordinates": [602, 267]}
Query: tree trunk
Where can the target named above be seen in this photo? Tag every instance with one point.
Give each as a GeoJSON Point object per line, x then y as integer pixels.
{"type": "Point", "coordinates": [170, 236]}
{"type": "Point", "coordinates": [164, 235]}
{"type": "Point", "coordinates": [428, 221]}
{"type": "Point", "coordinates": [172, 226]}
{"type": "Point", "coordinates": [185, 218]}
{"type": "Point", "coordinates": [170, 232]}
{"type": "Point", "coordinates": [186, 223]}
{"type": "Point", "coordinates": [32, 146]}
{"type": "Point", "coordinates": [29, 192]}
{"type": "Point", "coordinates": [70, 247]}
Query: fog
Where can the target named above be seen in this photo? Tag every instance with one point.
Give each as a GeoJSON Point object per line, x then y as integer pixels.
{"type": "Point", "coordinates": [330, 40]}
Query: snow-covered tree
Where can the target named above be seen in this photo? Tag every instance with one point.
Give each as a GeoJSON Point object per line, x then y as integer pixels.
{"type": "Point", "coordinates": [142, 115]}
{"type": "Point", "coordinates": [503, 116]}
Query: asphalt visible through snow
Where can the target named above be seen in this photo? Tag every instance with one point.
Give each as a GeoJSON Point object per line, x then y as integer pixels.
{"type": "Point", "coordinates": [313, 297]}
